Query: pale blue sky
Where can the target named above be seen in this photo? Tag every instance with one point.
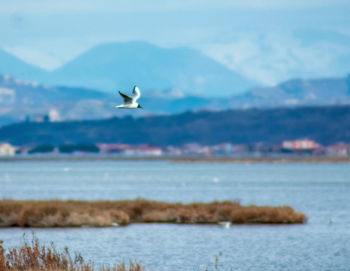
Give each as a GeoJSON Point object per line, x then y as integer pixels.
{"type": "Point", "coordinates": [267, 41]}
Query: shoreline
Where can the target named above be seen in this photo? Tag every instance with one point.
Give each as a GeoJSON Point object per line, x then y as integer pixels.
{"type": "Point", "coordinates": [178, 159]}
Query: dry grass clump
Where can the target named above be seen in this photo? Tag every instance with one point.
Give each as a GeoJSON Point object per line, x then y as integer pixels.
{"type": "Point", "coordinates": [36, 257]}
{"type": "Point", "coordinates": [55, 213]}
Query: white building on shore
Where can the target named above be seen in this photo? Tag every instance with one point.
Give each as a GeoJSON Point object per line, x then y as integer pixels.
{"type": "Point", "coordinates": [7, 149]}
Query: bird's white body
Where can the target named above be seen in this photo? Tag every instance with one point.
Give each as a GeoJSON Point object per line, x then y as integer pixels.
{"type": "Point", "coordinates": [128, 106]}
{"type": "Point", "coordinates": [130, 101]}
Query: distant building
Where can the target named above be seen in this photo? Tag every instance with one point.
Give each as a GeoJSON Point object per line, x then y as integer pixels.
{"type": "Point", "coordinates": [171, 150]}
{"type": "Point", "coordinates": [130, 150]}
{"type": "Point", "coordinates": [223, 148]}
{"type": "Point", "coordinates": [340, 150]}
{"type": "Point", "coordinates": [302, 145]}
{"type": "Point", "coordinates": [54, 115]}
{"type": "Point", "coordinates": [7, 149]}
{"type": "Point", "coordinates": [112, 147]}
{"type": "Point", "coordinates": [51, 116]}
{"type": "Point", "coordinates": [195, 148]}
{"type": "Point", "coordinates": [143, 150]}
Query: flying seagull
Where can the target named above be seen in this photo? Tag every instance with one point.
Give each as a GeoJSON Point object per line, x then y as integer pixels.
{"type": "Point", "coordinates": [130, 101]}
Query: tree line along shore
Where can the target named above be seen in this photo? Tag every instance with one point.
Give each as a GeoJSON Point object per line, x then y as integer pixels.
{"type": "Point", "coordinates": [325, 125]}
{"type": "Point", "coordinates": [56, 213]}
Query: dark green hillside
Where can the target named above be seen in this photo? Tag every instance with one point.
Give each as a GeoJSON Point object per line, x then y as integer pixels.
{"type": "Point", "coordinates": [326, 125]}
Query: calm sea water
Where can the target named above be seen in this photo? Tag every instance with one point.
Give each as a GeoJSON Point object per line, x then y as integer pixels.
{"type": "Point", "coordinates": [321, 191]}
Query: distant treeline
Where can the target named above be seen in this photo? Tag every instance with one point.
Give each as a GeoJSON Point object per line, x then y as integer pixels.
{"type": "Point", "coordinates": [326, 125]}
{"type": "Point", "coordinates": [65, 148]}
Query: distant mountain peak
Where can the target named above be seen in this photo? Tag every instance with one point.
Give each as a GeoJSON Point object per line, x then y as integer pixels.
{"type": "Point", "coordinates": [120, 65]}
{"type": "Point", "coordinates": [13, 66]}
{"type": "Point", "coordinates": [319, 91]}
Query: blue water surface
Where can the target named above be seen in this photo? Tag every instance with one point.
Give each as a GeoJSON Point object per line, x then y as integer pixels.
{"type": "Point", "coordinates": [321, 191]}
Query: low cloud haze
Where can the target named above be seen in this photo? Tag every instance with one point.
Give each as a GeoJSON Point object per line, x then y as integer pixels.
{"type": "Point", "coordinates": [265, 41]}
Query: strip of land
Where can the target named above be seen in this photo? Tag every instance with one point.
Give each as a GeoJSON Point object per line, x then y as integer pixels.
{"type": "Point", "coordinates": [56, 213]}
{"type": "Point", "coordinates": [217, 159]}
{"type": "Point", "coordinates": [286, 159]}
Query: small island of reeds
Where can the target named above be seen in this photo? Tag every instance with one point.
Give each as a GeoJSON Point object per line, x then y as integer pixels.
{"type": "Point", "coordinates": [57, 213]}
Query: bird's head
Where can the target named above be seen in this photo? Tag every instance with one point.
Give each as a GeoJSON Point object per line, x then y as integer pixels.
{"type": "Point", "coordinates": [139, 106]}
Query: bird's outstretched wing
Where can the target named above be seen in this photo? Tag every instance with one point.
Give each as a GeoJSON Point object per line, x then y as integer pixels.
{"type": "Point", "coordinates": [127, 99]}
{"type": "Point", "coordinates": [136, 93]}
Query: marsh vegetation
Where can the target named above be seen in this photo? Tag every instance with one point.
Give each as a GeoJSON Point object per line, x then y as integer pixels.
{"type": "Point", "coordinates": [32, 256]}
{"type": "Point", "coordinates": [56, 213]}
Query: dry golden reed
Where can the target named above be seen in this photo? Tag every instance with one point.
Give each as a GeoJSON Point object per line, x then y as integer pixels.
{"type": "Point", "coordinates": [55, 213]}
{"type": "Point", "coordinates": [36, 257]}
